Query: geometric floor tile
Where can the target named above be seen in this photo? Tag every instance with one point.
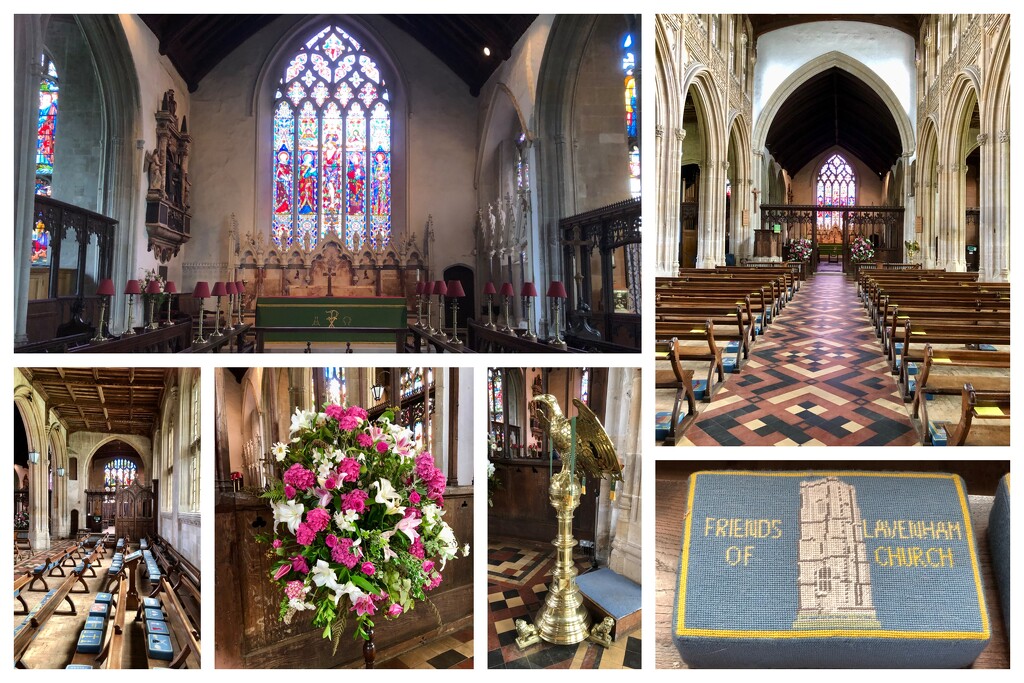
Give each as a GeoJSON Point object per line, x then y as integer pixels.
{"type": "Point", "coordinates": [520, 594]}
{"type": "Point", "coordinates": [817, 377]}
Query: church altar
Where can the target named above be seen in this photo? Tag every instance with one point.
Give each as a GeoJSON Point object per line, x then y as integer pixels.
{"type": "Point", "coordinates": [328, 313]}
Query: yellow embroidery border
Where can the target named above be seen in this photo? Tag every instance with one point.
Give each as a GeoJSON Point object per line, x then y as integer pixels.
{"type": "Point", "coordinates": [682, 630]}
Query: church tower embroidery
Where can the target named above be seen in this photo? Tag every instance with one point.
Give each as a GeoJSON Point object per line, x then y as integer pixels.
{"type": "Point", "coordinates": [834, 577]}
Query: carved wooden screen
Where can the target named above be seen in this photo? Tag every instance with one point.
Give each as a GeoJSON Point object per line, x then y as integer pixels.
{"type": "Point", "coordinates": [134, 515]}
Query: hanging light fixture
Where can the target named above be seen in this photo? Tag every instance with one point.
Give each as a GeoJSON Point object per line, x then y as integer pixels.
{"type": "Point", "coordinates": [377, 390]}
{"type": "Point", "coordinates": [60, 471]}
{"type": "Point", "coordinates": [33, 457]}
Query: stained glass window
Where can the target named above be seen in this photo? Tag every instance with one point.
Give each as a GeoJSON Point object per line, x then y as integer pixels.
{"type": "Point", "coordinates": [332, 146]}
{"type": "Point", "coordinates": [411, 381]}
{"type": "Point", "coordinates": [585, 386]}
{"type": "Point", "coordinates": [495, 394]}
{"type": "Point", "coordinates": [47, 130]}
{"type": "Point", "coordinates": [118, 472]}
{"type": "Point", "coordinates": [632, 141]}
{"type": "Point", "coordinates": [522, 165]}
{"type": "Point", "coordinates": [337, 387]}
{"type": "Point", "coordinates": [837, 186]}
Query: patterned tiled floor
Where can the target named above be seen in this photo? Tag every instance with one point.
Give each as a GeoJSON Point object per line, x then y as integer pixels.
{"type": "Point", "coordinates": [453, 651]}
{"type": "Point", "coordinates": [817, 377]}
{"type": "Point", "coordinates": [516, 573]}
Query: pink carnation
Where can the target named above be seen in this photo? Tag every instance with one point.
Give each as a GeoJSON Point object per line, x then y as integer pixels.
{"type": "Point", "coordinates": [335, 411]}
{"type": "Point", "coordinates": [318, 519]}
{"type": "Point", "coordinates": [348, 469]}
{"type": "Point", "coordinates": [305, 535]}
{"type": "Point", "coordinates": [382, 447]}
{"type": "Point", "coordinates": [354, 500]}
{"type": "Point", "coordinates": [295, 590]}
{"type": "Point", "coordinates": [349, 423]}
{"type": "Point", "coordinates": [299, 564]}
{"type": "Point", "coordinates": [299, 477]}
{"type": "Point", "coordinates": [414, 497]}
{"type": "Point", "coordinates": [364, 440]}
{"type": "Point", "coordinates": [282, 572]}
{"type": "Point", "coordinates": [368, 568]}
{"type": "Point", "coordinates": [395, 610]}
{"type": "Point", "coordinates": [416, 549]}
{"type": "Point", "coordinates": [277, 543]}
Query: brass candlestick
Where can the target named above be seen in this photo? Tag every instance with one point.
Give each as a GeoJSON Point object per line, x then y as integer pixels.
{"type": "Point", "coordinates": [153, 322]}
{"type": "Point", "coordinates": [131, 316]}
{"type": "Point", "coordinates": [455, 323]}
{"type": "Point", "coordinates": [528, 305]}
{"type": "Point", "coordinates": [490, 323]}
{"type": "Point", "coordinates": [216, 322]}
{"type": "Point", "coordinates": [419, 311]}
{"type": "Point", "coordinates": [429, 327]}
{"type": "Point", "coordinates": [558, 341]}
{"type": "Point", "coordinates": [440, 317]}
{"type": "Point", "coordinates": [508, 317]}
{"type": "Point", "coordinates": [99, 330]}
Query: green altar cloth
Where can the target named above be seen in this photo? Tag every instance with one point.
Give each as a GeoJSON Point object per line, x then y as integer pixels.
{"type": "Point", "coordinates": [328, 312]}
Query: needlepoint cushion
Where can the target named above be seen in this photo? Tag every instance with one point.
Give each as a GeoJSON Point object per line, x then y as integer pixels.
{"type": "Point", "coordinates": [89, 641]}
{"type": "Point", "coordinates": [159, 646]}
{"type": "Point", "coordinates": [95, 623]}
{"type": "Point", "coordinates": [151, 602]}
{"type": "Point", "coordinates": [999, 542]}
{"type": "Point", "coordinates": [78, 666]}
{"type": "Point", "coordinates": [152, 613]}
{"type": "Point", "coordinates": [829, 569]}
{"type": "Point", "coordinates": [99, 609]}
{"type": "Point", "coordinates": [104, 597]}
{"type": "Point", "coordinates": [155, 626]}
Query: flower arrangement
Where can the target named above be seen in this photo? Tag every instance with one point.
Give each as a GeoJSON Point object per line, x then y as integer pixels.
{"type": "Point", "coordinates": [493, 483]}
{"type": "Point", "coordinates": [21, 520]}
{"type": "Point", "coordinates": [800, 249]}
{"type": "Point", "coordinates": [357, 520]}
{"type": "Point", "coordinates": [912, 248]}
{"type": "Point", "coordinates": [148, 275]}
{"type": "Point", "coordinates": [861, 250]}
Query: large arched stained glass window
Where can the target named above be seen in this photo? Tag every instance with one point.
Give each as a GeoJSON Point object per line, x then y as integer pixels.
{"type": "Point", "coordinates": [332, 146]}
{"type": "Point", "coordinates": [632, 141]}
{"type": "Point", "coordinates": [837, 186]}
{"type": "Point", "coordinates": [118, 472]}
{"type": "Point", "coordinates": [47, 130]}
{"type": "Point", "coordinates": [336, 386]}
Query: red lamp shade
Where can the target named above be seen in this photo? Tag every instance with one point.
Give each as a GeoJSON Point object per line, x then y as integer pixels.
{"type": "Point", "coordinates": [489, 288]}
{"type": "Point", "coordinates": [239, 287]}
{"type": "Point", "coordinates": [455, 290]}
{"type": "Point", "coordinates": [419, 288]}
{"type": "Point", "coordinates": [219, 289]}
{"type": "Point", "coordinates": [440, 288]}
{"type": "Point", "coordinates": [231, 289]}
{"type": "Point", "coordinates": [106, 288]}
{"type": "Point", "coordinates": [506, 289]}
{"type": "Point", "coordinates": [529, 289]}
{"type": "Point", "coordinates": [557, 289]}
{"type": "Point", "coordinates": [202, 290]}
{"type": "Point", "coordinates": [132, 287]}
{"type": "Point", "coordinates": [153, 287]}
{"type": "Point", "coordinates": [428, 288]}
{"type": "Point", "coordinates": [170, 287]}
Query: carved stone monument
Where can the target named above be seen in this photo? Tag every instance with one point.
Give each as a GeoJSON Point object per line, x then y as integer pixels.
{"type": "Point", "coordinates": [167, 201]}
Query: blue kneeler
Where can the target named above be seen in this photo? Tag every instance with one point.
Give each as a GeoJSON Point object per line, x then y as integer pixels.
{"type": "Point", "coordinates": [159, 647]}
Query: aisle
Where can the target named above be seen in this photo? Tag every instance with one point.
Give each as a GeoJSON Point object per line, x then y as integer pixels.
{"type": "Point", "coordinates": [818, 377]}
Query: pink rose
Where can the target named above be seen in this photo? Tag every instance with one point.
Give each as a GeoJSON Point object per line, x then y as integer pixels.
{"type": "Point", "coordinates": [299, 564]}
{"type": "Point", "coordinates": [414, 498]}
{"type": "Point", "coordinates": [331, 540]}
{"type": "Point", "coordinates": [368, 568]}
{"type": "Point", "coordinates": [277, 543]}
{"type": "Point", "coordinates": [382, 447]}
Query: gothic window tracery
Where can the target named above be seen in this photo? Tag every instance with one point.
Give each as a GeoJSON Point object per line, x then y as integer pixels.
{"type": "Point", "coordinates": [837, 187]}
{"type": "Point", "coordinates": [332, 146]}
{"type": "Point", "coordinates": [632, 139]}
{"type": "Point", "coordinates": [119, 472]}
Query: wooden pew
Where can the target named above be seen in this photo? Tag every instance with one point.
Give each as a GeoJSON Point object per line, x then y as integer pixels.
{"type": "Point", "coordinates": [931, 380]}
{"type": "Point", "coordinates": [915, 340]}
{"type": "Point", "coordinates": [730, 325]}
{"type": "Point", "coordinates": [35, 621]}
{"type": "Point", "coordinates": [895, 316]}
{"type": "Point", "coordinates": [112, 654]}
{"type": "Point", "coordinates": [186, 635]}
{"type": "Point", "coordinates": [707, 351]}
{"type": "Point", "coordinates": [984, 419]}
{"type": "Point", "coordinates": [680, 380]}
{"type": "Point", "coordinates": [19, 583]}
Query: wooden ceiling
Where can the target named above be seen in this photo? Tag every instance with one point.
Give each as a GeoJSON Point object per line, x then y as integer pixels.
{"type": "Point", "coordinates": [908, 23]}
{"type": "Point", "coordinates": [105, 400]}
{"type": "Point", "coordinates": [834, 108]}
{"type": "Point", "coordinates": [196, 43]}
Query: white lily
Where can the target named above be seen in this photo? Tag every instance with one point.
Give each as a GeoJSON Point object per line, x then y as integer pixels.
{"type": "Point", "coordinates": [288, 513]}
{"type": "Point", "coordinates": [407, 525]}
{"type": "Point", "coordinates": [323, 575]}
{"type": "Point", "coordinates": [280, 451]}
{"type": "Point", "coordinates": [350, 589]}
{"type": "Point", "coordinates": [346, 520]}
{"type": "Point", "coordinates": [388, 497]}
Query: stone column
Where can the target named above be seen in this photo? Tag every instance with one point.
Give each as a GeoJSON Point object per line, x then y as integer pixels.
{"type": "Point", "coordinates": [624, 420]}
{"type": "Point", "coordinates": [28, 45]}
{"type": "Point", "coordinates": [668, 151]}
{"type": "Point", "coordinates": [1001, 219]}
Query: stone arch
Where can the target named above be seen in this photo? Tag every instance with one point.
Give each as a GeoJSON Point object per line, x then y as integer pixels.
{"type": "Point", "coordinates": [136, 443]}
{"type": "Point", "coordinates": [741, 237]}
{"type": "Point", "coordinates": [699, 82]}
{"type": "Point", "coordinates": [995, 162]}
{"type": "Point", "coordinates": [261, 107]}
{"type": "Point", "coordinates": [502, 109]}
{"type": "Point", "coordinates": [823, 63]}
{"type": "Point", "coordinates": [668, 140]}
{"type": "Point", "coordinates": [928, 189]}
{"type": "Point", "coordinates": [955, 142]}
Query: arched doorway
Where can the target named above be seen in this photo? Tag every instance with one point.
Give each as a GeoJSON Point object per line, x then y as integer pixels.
{"type": "Point", "coordinates": [113, 466]}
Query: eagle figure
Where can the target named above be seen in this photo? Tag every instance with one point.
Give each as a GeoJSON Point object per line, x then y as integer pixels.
{"type": "Point", "coordinates": [595, 454]}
